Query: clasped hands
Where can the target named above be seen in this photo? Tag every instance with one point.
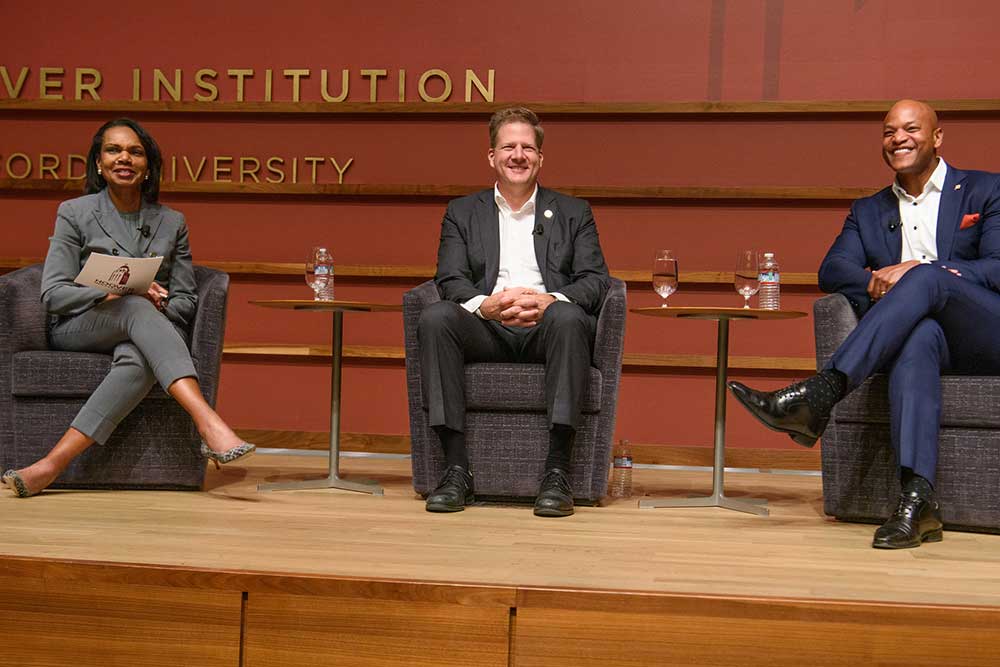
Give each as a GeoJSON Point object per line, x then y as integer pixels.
{"type": "Point", "coordinates": [156, 294]}
{"type": "Point", "coordinates": [886, 278]}
{"type": "Point", "coordinates": [516, 306]}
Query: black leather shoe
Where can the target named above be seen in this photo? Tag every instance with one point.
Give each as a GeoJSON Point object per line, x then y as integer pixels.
{"type": "Point", "coordinates": [801, 410]}
{"type": "Point", "coordinates": [917, 519]}
{"type": "Point", "coordinates": [555, 498]}
{"type": "Point", "coordinates": [453, 493]}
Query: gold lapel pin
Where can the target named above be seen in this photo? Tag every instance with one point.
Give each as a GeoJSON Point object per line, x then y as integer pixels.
{"type": "Point", "coordinates": [958, 186]}
{"type": "Point", "coordinates": [548, 213]}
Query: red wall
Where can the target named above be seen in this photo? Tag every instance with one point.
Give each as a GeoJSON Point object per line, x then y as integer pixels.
{"type": "Point", "coordinates": [563, 50]}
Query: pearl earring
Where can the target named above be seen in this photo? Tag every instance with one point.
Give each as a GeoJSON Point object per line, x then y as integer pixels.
{"type": "Point", "coordinates": [98, 171]}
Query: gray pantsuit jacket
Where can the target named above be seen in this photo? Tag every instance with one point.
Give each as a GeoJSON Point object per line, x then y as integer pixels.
{"type": "Point", "coordinates": [145, 347]}
{"type": "Point", "coordinates": [91, 224]}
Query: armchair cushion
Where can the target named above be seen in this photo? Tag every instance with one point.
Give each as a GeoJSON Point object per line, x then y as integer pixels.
{"type": "Point", "coordinates": [860, 476]}
{"type": "Point", "coordinates": [41, 390]}
{"type": "Point", "coordinates": [518, 388]}
{"type": "Point", "coordinates": [506, 426]}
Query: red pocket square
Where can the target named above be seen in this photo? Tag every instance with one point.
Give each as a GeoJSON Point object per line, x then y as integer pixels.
{"type": "Point", "coordinates": [969, 220]}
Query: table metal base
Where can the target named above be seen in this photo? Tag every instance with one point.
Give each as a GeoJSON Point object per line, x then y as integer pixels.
{"type": "Point", "coordinates": [329, 482]}
{"type": "Point", "coordinates": [756, 506]}
{"type": "Point", "coordinates": [333, 479]}
{"type": "Point", "coordinates": [718, 498]}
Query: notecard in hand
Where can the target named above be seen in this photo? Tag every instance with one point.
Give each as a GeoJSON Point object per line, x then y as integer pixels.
{"type": "Point", "coordinates": [119, 275]}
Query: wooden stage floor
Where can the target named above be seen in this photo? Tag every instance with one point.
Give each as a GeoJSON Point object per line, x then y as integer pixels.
{"type": "Point", "coordinates": [790, 582]}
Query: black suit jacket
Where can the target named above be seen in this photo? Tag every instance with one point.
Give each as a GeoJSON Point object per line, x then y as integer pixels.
{"type": "Point", "coordinates": [566, 247]}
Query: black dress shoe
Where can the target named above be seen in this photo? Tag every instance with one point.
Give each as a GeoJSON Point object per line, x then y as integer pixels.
{"type": "Point", "coordinates": [801, 410]}
{"type": "Point", "coordinates": [453, 493]}
{"type": "Point", "coordinates": [555, 498]}
{"type": "Point", "coordinates": [917, 519]}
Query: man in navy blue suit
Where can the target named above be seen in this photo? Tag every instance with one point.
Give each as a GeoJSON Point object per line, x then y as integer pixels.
{"type": "Point", "coordinates": [920, 261]}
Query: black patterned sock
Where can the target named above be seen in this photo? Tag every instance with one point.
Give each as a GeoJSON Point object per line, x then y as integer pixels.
{"type": "Point", "coordinates": [911, 481]}
{"type": "Point", "coordinates": [837, 380]}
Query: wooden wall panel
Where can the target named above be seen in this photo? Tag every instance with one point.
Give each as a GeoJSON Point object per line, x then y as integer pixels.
{"type": "Point", "coordinates": [753, 633]}
{"type": "Point", "coordinates": [724, 94]}
{"type": "Point", "coordinates": [79, 623]}
{"type": "Point", "coordinates": [293, 630]}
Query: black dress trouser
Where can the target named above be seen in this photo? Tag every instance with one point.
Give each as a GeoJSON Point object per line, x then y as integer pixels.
{"type": "Point", "coordinates": [450, 337]}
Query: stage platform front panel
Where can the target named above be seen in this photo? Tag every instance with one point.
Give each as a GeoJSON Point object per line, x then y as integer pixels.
{"type": "Point", "coordinates": [334, 577]}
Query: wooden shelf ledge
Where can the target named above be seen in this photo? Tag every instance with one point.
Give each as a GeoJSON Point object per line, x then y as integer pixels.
{"type": "Point", "coordinates": [610, 110]}
{"type": "Point", "coordinates": [656, 193]}
{"type": "Point", "coordinates": [648, 453]}
{"type": "Point", "coordinates": [631, 360]}
{"type": "Point", "coordinates": [415, 274]}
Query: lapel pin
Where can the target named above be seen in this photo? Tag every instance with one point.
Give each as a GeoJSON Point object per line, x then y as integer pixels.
{"type": "Point", "coordinates": [548, 213]}
{"type": "Point", "coordinates": [958, 186]}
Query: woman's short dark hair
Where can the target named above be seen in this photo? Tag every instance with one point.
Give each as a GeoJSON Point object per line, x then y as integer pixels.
{"type": "Point", "coordinates": [95, 182]}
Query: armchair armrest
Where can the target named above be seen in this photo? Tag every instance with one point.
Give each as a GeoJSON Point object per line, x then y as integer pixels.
{"type": "Point", "coordinates": [610, 337]}
{"type": "Point", "coordinates": [833, 320]}
{"type": "Point", "coordinates": [209, 328]}
{"type": "Point", "coordinates": [23, 321]}
{"type": "Point", "coordinates": [23, 326]}
{"type": "Point", "coordinates": [414, 302]}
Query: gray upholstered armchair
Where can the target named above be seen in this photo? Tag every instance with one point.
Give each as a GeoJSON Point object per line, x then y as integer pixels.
{"type": "Point", "coordinates": [860, 482]}
{"type": "Point", "coordinates": [41, 390]}
{"type": "Point", "coordinates": [505, 422]}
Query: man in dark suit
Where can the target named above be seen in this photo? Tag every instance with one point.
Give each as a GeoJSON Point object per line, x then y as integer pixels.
{"type": "Point", "coordinates": [920, 260]}
{"type": "Point", "coordinates": [522, 277]}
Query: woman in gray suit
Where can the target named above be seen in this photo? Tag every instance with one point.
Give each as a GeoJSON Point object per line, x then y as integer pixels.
{"type": "Point", "coordinates": [121, 215]}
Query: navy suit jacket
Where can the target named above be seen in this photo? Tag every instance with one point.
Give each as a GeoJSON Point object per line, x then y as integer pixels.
{"type": "Point", "coordinates": [872, 238]}
{"type": "Point", "coordinates": [566, 247]}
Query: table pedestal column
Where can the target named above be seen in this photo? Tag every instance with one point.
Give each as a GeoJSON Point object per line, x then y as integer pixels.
{"type": "Point", "coordinates": [333, 479]}
{"type": "Point", "coordinates": [718, 498]}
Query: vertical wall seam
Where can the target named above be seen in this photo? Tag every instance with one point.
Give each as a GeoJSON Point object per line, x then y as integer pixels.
{"type": "Point", "coordinates": [511, 628]}
{"type": "Point", "coordinates": [243, 629]}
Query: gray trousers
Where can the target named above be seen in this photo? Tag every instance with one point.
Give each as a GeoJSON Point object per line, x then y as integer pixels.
{"type": "Point", "coordinates": [146, 347]}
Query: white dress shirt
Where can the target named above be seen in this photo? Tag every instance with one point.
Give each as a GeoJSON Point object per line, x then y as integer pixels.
{"type": "Point", "coordinates": [518, 264]}
{"type": "Point", "coordinates": [918, 217]}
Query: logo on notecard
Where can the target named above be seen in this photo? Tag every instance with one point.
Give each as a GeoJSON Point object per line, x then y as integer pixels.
{"type": "Point", "coordinates": [120, 275]}
{"type": "Point", "coordinates": [117, 281]}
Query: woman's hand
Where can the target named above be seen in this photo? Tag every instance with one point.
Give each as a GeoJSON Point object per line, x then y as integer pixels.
{"type": "Point", "coordinates": [157, 295]}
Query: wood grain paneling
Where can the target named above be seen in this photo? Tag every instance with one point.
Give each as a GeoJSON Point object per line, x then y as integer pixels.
{"type": "Point", "coordinates": [647, 453]}
{"type": "Point", "coordinates": [81, 623]}
{"type": "Point", "coordinates": [291, 630]}
{"type": "Point", "coordinates": [630, 360]}
{"type": "Point", "coordinates": [411, 190]}
{"type": "Point", "coordinates": [867, 108]}
{"type": "Point", "coordinates": [416, 274]}
{"type": "Point", "coordinates": [677, 630]}
{"type": "Point", "coordinates": [377, 443]}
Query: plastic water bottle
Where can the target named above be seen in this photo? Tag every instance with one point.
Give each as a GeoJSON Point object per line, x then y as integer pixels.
{"type": "Point", "coordinates": [621, 476]}
{"type": "Point", "coordinates": [323, 275]}
{"type": "Point", "coordinates": [769, 296]}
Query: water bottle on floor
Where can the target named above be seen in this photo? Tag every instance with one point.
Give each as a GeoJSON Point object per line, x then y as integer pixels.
{"type": "Point", "coordinates": [769, 296]}
{"type": "Point", "coordinates": [621, 475]}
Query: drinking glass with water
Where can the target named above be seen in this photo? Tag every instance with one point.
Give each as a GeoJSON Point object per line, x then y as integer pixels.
{"type": "Point", "coordinates": [664, 274]}
{"type": "Point", "coordinates": [746, 279]}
